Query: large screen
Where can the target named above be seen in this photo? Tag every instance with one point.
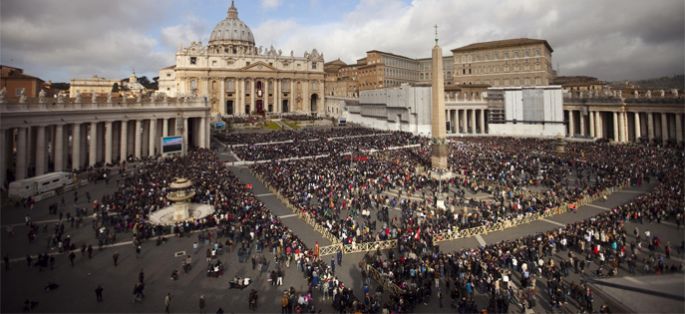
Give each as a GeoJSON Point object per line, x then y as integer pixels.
{"type": "Point", "coordinates": [172, 144]}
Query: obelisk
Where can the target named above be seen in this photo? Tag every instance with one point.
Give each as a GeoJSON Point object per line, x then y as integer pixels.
{"type": "Point", "coordinates": [438, 132]}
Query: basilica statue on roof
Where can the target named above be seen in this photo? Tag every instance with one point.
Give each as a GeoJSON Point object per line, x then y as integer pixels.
{"type": "Point", "coordinates": [239, 78]}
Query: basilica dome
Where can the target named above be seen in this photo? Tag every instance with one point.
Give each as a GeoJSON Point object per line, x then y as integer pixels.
{"type": "Point", "coordinates": [231, 31]}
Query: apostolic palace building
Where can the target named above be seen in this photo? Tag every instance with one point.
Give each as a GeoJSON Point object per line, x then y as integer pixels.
{"type": "Point", "coordinates": [238, 78]}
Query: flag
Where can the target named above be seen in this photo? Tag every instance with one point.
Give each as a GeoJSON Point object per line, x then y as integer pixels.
{"type": "Point", "coordinates": [248, 186]}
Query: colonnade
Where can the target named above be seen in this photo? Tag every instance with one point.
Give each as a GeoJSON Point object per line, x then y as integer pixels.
{"type": "Point", "coordinates": [73, 146]}
{"type": "Point", "coordinates": [626, 125]}
{"type": "Point", "coordinates": [466, 121]}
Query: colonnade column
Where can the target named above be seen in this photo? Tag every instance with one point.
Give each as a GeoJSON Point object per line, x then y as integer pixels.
{"type": "Point", "coordinates": [482, 121]}
{"type": "Point", "coordinates": [638, 132]}
{"type": "Point", "coordinates": [165, 126]}
{"type": "Point", "coordinates": [582, 123]}
{"type": "Point", "coordinates": [185, 135]}
{"type": "Point", "coordinates": [40, 150]}
{"type": "Point", "coordinates": [571, 124]}
{"type": "Point", "coordinates": [456, 121]}
{"type": "Point", "coordinates": [621, 127]}
{"type": "Point", "coordinates": [650, 126]}
{"type": "Point", "coordinates": [108, 142]}
{"type": "Point", "coordinates": [91, 144]}
{"type": "Point", "coordinates": [592, 124]}
{"type": "Point", "coordinates": [277, 95]}
{"type": "Point", "coordinates": [473, 121]}
{"type": "Point", "coordinates": [616, 136]}
{"type": "Point", "coordinates": [600, 124]}
{"type": "Point", "coordinates": [123, 141]}
{"type": "Point", "coordinates": [664, 128]}
{"type": "Point", "coordinates": [464, 122]}
{"type": "Point", "coordinates": [75, 146]}
{"type": "Point", "coordinates": [678, 128]}
{"type": "Point", "coordinates": [59, 146]}
{"type": "Point", "coordinates": [152, 143]}
{"type": "Point", "coordinates": [20, 168]}
{"type": "Point", "coordinates": [3, 156]}
{"type": "Point", "coordinates": [138, 144]}
{"type": "Point", "coordinates": [203, 136]}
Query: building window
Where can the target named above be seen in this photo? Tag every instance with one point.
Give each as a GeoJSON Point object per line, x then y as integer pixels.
{"type": "Point", "coordinates": [193, 60]}
{"type": "Point", "coordinates": [247, 63]}
{"type": "Point", "coordinates": [313, 64]}
{"type": "Point", "coordinates": [19, 91]}
{"type": "Point", "coordinates": [168, 75]}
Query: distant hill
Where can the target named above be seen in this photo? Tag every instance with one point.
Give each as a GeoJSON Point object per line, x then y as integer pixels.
{"type": "Point", "coordinates": [664, 82]}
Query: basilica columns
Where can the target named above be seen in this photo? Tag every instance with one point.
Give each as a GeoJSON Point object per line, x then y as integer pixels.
{"type": "Point", "coordinates": [571, 124]}
{"type": "Point", "coordinates": [482, 121]}
{"type": "Point", "coordinates": [253, 95]}
{"type": "Point", "coordinates": [616, 128]}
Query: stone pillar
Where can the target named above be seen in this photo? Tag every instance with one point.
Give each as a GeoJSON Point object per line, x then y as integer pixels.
{"type": "Point", "coordinates": [664, 127]}
{"type": "Point", "coordinates": [679, 127]}
{"type": "Point", "coordinates": [456, 121]}
{"type": "Point", "coordinates": [41, 160]}
{"type": "Point", "coordinates": [253, 95]}
{"type": "Point", "coordinates": [123, 141]}
{"type": "Point", "coordinates": [600, 124]}
{"type": "Point", "coordinates": [20, 167]}
{"type": "Point", "coordinates": [582, 123]}
{"type": "Point", "coordinates": [165, 126]}
{"type": "Point", "coordinates": [464, 123]}
{"type": "Point", "coordinates": [638, 131]}
{"type": "Point", "coordinates": [277, 95]}
{"type": "Point", "coordinates": [3, 156]}
{"type": "Point", "coordinates": [239, 95]}
{"type": "Point", "coordinates": [59, 148]}
{"type": "Point", "coordinates": [474, 130]}
{"type": "Point", "coordinates": [108, 142]}
{"type": "Point", "coordinates": [592, 124]}
{"type": "Point", "coordinates": [291, 103]}
{"type": "Point", "coordinates": [138, 144]}
{"type": "Point", "coordinates": [91, 144]}
{"type": "Point", "coordinates": [482, 121]}
{"type": "Point", "coordinates": [75, 146]}
{"type": "Point", "coordinates": [621, 128]}
{"type": "Point", "coordinates": [185, 136]}
{"type": "Point", "coordinates": [571, 124]}
{"type": "Point", "coordinates": [202, 133]}
{"type": "Point", "coordinates": [152, 142]}
{"type": "Point", "coordinates": [616, 135]}
{"type": "Point", "coordinates": [650, 126]}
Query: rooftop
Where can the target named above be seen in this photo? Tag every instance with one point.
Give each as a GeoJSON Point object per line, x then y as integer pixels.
{"type": "Point", "coordinates": [503, 44]}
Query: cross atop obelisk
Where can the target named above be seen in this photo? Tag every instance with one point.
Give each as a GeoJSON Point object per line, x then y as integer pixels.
{"type": "Point", "coordinates": [436, 34]}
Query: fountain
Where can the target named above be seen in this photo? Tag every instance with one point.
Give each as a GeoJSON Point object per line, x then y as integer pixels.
{"type": "Point", "coordinates": [181, 210]}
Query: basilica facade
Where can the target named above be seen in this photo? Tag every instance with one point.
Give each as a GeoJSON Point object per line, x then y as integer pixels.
{"type": "Point", "coordinates": [239, 78]}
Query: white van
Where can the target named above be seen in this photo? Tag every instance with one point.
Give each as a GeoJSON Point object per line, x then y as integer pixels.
{"type": "Point", "coordinates": [40, 184]}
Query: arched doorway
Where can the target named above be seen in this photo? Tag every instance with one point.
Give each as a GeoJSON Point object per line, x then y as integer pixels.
{"type": "Point", "coordinates": [259, 86]}
{"type": "Point", "coordinates": [284, 106]}
{"type": "Point", "coordinates": [313, 102]}
{"type": "Point", "coordinates": [229, 107]}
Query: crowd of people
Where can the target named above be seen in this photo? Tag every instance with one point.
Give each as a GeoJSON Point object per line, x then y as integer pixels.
{"type": "Point", "coordinates": [241, 220]}
{"type": "Point", "coordinates": [351, 196]}
{"type": "Point", "coordinates": [543, 264]}
{"type": "Point", "coordinates": [236, 138]}
{"type": "Point", "coordinates": [316, 147]}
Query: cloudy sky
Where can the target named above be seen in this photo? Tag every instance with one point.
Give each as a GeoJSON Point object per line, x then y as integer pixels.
{"type": "Point", "coordinates": [610, 39]}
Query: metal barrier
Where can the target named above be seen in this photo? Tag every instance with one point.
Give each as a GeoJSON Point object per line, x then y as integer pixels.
{"type": "Point", "coordinates": [303, 215]}
{"type": "Point", "coordinates": [385, 282]}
